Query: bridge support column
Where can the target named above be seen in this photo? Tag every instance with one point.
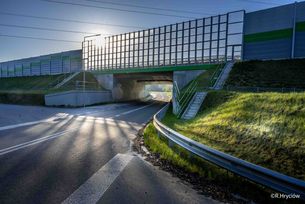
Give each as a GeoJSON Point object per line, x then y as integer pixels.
{"type": "Point", "coordinates": [182, 78]}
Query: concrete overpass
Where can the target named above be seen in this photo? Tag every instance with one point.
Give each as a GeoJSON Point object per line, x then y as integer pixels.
{"type": "Point", "coordinates": [128, 84]}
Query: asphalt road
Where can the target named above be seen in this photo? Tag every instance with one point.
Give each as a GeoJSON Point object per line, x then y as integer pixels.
{"type": "Point", "coordinates": [55, 155]}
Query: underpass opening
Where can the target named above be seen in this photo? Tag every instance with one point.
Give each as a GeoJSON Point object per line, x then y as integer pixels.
{"type": "Point", "coordinates": [142, 86]}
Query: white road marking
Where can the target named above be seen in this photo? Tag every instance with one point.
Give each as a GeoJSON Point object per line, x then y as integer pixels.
{"type": "Point", "coordinates": [32, 142]}
{"type": "Point", "coordinates": [94, 188]}
{"type": "Point", "coordinates": [130, 111]}
{"type": "Point", "coordinates": [65, 115]}
{"type": "Point", "coordinates": [21, 125]}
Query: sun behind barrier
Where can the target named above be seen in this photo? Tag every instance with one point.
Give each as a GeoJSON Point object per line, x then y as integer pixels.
{"type": "Point", "coordinates": [201, 41]}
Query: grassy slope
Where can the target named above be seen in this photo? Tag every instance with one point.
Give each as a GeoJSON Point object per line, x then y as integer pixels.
{"type": "Point", "coordinates": [31, 90]}
{"type": "Point", "coordinates": [34, 84]}
{"type": "Point", "coordinates": [41, 84]}
{"type": "Point", "coordinates": [204, 79]}
{"type": "Point", "coordinates": [93, 83]}
{"type": "Point", "coordinates": [160, 146]}
{"type": "Point", "coordinates": [264, 128]}
{"type": "Point", "coordinates": [281, 73]}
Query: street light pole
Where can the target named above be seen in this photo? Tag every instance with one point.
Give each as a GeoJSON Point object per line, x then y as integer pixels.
{"type": "Point", "coordinates": [84, 71]}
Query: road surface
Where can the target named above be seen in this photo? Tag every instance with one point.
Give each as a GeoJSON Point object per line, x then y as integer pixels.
{"type": "Point", "coordinates": [60, 155]}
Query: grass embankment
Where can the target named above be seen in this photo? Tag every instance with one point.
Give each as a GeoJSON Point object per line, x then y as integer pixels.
{"type": "Point", "coordinates": [267, 129]}
{"type": "Point", "coordinates": [25, 90]}
{"type": "Point", "coordinates": [91, 83]}
{"type": "Point", "coordinates": [272, 74]}
{"type": "Point", "coordinates": [206, 177]}
{"type": "Point", "coordinates": [160, 145]}
{"type": "Point", "coordinates": [31, 90]}
{"type": "Point", "coordinates": [208, 78]}
{"type": "Point", "coordinates": [33, 84]}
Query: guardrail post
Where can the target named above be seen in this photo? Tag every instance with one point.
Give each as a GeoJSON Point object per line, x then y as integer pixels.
{"type": "Point", "coordinates": [170, 143]}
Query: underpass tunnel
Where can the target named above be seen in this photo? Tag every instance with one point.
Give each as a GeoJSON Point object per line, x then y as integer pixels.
{"type": "Point", "coordinates": [142, 86]}
{"type": "Point", "coordinates": [158, 91]}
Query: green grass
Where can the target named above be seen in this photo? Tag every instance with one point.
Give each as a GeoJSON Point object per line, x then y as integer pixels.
{"type": "Point", "coordinates": [43, 84]}
{"type": "Point", "coordinates": [267, 129]}
{"type": "Point", "coordinates": [178, 156]}
{"type": "Point", "coordinates": [22, 98]}
{"type": "Point", "coordinates": [27, 84]}
{"type": "Point", "coordinates": [31, 90]}
{"type": "Point", "coordinates": [92, 85]}
{"type": "Point", "coordinates": [205, 79]}
{"type": "Point", "coordinates": [273, 74]}
{"type": "Point", "coordinates": [206, 173]}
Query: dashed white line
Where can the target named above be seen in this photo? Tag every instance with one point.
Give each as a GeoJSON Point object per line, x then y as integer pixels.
{"type": "Point", "coordinates": [94, 188]}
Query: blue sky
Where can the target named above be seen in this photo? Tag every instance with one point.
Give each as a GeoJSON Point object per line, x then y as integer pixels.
{"type": "Point", "coordinates": [14, 48]}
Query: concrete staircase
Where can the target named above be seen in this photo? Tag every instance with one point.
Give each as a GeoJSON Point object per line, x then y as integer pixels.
{"type": "Point", "coordinates": [194, 105]}
{"type": "Point", "coordinates": [198, 98]}
{"type": "Point", "coordinates": [223, 76]}
{"type": "Point", "coordinates": [63, 82]}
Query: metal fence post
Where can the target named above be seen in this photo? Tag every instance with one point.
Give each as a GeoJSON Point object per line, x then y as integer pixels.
{"type": "Point", "coordinates": [293, 30]}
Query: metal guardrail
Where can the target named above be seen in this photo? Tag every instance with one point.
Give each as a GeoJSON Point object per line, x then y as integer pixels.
{"type": "Point", "coordinates": [258, 174]}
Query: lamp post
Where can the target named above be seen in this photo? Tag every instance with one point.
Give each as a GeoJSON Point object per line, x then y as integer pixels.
{"type": "Point", "coordinates": [84, 71]}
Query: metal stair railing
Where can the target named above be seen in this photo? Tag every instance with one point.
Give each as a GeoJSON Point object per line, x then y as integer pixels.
{"type": "Point", "coordinates": [58, 80]}
{"type": "Point", "coordinates": [186, 97]}
{"type": "Point", "coordinates": [222, 72]}
{"type": "Point", "coordinates": [216, 74]}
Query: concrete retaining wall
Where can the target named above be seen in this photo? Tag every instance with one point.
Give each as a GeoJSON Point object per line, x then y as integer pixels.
{"type": "Point", "coordinates": [77, 98]}
{"type": "Point", "coordinates": [182, 78]}
{"type": "Point", "coordinates": [105, 80]}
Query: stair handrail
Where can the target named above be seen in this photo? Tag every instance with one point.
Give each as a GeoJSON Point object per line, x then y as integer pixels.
{"type": "Point", "coordinates": [216, 74]}
{"type": "Point", "coordinates": [222, 71]}
{"type": "Point", "coordinates": [187, 96]}
{"type": "Point", "coordinates": [58, 80]}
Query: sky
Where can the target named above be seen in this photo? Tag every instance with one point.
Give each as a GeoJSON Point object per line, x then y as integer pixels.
{"type": "Point", "coordinates": [99, 12]}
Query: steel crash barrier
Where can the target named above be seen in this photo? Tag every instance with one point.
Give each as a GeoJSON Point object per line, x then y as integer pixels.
{"type": "Point", "coordinates": [258, 174]}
